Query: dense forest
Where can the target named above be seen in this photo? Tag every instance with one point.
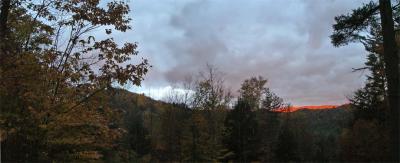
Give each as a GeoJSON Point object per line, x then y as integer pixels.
{"type": "Point", "coordinates": [62, 96]}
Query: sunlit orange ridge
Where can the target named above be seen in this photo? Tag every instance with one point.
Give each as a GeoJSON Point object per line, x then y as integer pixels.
{"type": "Point", "coordinates": [310, 107]}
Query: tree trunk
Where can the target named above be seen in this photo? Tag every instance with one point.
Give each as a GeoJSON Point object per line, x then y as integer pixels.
{"type": "Point", "coordinates": [392, 71]}
{"type": "Point", "coordinates": [5, 9]}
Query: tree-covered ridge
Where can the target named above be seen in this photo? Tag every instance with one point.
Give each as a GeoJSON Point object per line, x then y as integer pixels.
{"type": "Point", "coordinates": [160, 131]}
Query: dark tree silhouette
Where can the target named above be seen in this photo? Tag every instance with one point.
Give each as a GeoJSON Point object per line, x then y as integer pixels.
{"type": "Point", "coordinates": [242, 133]}
{"type": "Point", "coordinates": [286, 146]}
{"type": "Point", "coordinates": [351, 27]}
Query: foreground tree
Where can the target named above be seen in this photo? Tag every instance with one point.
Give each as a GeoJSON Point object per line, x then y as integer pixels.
{"type": "Point", "coordinates": [59, 88]}
{"type": "Point", "coordinates": [370, 101]}
{"type": "Point", "coordinates": [352, 27]}
{"type": "Point", "coordinates": [368, 136]}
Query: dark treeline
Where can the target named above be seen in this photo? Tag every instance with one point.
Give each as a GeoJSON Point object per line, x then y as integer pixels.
{"type": "Point", "coordinates": [60, 102]}
{"type": "Point", "coordinates": [214, 131]}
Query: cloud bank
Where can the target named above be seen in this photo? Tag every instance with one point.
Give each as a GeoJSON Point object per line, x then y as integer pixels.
{"type": "Point", "coordinates": [286, 41]}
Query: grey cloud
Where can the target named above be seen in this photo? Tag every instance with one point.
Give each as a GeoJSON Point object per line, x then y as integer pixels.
{"type": "Point", "coordinates": [286, 41]}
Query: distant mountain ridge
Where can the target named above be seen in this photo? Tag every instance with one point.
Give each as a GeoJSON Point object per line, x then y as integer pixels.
{"type": "Point", "coordinates": [291, 109]}
{"type": "Point", "coordinates": [311, 107]}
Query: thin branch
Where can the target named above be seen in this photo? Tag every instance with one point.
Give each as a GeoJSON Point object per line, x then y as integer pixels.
{"type": "Point", "coordinates": [87, 97]}
{"type": "Point", "coordinates": [358, 69]}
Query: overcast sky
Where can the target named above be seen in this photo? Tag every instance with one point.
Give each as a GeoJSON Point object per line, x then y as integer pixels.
{"type": "Point", "coordinates": [286, 41]}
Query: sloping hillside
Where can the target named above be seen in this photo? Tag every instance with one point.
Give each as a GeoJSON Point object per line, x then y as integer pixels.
{"type": "Point", "coordinates": [150, 123]}
{"type": "Point", "coordinates": [317, 131]}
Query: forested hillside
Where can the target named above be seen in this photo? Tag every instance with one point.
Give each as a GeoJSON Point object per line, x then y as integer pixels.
{"type": "Point", "coordinates": [160, 131]}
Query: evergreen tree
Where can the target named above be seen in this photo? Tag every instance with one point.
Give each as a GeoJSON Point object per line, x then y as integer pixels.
{"type": "Point", "coordinates": [242, 136]}
{"type": "Point", "coordinates": [287, 146]}
{"type": "Point", "coordinates": [269, 128]}
{"type": "Point", "coordinates": [355, 27]}
{"type": "Point", "coordinates": [198, 140]}
{"type": "Point", "coordinates": [370, 100]}
{"type": "Point", "coordinates": [173, 120]}
{"type": "Point", "coordinates": [138, 135]}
